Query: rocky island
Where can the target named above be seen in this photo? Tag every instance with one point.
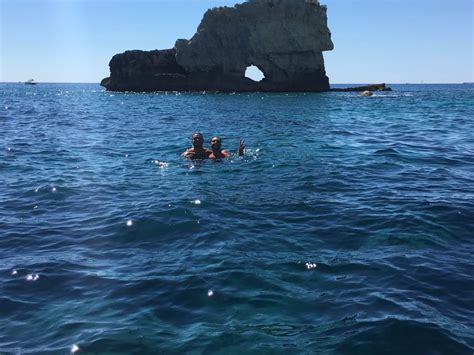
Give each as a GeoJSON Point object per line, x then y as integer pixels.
{"type": "Point", "coordinates": [283, 38]}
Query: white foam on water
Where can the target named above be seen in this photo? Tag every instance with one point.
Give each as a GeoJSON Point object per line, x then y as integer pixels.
{"type": "Point", "coordinates": [32, 277]}
{"type": "Point", "coordinates": [129, 223]}
{"type": "Point", "coordinates": [311, 266]}
{"type": "Point", "coordinates": [14, 272]}
{"type": "Point", "coordinates": [161, 164]}
{"type": "Point", "coordinates": [53, 189]}
{"type": "Point", "coordinates": [210, 293]}
{"type": "Point", "coordinates": [196, 202]}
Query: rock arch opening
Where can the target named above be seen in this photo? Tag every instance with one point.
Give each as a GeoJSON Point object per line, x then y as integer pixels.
{"type": "Point", "coordinates": [254, 73]}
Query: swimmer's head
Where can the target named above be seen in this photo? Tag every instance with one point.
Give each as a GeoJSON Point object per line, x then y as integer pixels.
{"type": "Point", "coordinates": [198, 139]}
{"type": "Point", "coordinates": [216, 143]}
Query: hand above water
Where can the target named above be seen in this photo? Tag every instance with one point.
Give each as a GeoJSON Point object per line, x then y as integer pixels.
{"type": "Point", "coordinates": [241, 147]}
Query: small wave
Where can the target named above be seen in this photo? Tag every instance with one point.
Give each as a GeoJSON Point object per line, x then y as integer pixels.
{"type": "Point", "coordinates": [387, 152]}
{"type": "Point", "coordinates": [380, 95]}
{"type": "Point", "coordinates": [372, 337]}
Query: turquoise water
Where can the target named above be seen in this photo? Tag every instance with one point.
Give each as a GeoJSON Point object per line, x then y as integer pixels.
{"type": "Point", "coordinates": [346, 228]}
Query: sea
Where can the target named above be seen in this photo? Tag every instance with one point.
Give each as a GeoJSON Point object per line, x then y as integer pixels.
{"type": "Point", "coordinates": [347, 227]}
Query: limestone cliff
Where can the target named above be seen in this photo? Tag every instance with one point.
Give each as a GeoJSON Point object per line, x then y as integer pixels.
{"type": "Point", "coordinates": [283, 38]}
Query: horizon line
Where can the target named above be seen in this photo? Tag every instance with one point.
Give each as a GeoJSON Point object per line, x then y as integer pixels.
{"type": "Point", "coordinates": [338, 83]}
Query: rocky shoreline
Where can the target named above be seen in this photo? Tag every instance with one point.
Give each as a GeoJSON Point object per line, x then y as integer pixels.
{"type": "Point", "coordinates": [371, 87]}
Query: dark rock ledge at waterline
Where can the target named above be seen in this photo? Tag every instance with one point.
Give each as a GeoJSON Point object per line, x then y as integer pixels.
{"type": "Point", "coordinates": [371, 87]}
{"type": "Point", "coordinates": [283, 38]}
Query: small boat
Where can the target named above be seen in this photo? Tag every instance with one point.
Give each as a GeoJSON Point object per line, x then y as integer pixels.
{"type": "Point", "coordinates": [30, 82]}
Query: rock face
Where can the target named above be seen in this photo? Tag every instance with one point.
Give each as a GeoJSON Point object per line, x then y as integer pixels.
{"type": "Point", "coordinates": [283, 38]}
{"type": "Point", "coordinates": [371, 87]}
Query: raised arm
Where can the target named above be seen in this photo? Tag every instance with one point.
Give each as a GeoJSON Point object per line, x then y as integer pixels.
{"type": "Point", "coordinates": [241, 147]}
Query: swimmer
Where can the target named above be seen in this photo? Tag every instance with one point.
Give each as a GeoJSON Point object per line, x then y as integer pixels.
{"type": "Point", "coordinates": [197, 151]}
{"type": "Point", "coordinates": [218, 153]}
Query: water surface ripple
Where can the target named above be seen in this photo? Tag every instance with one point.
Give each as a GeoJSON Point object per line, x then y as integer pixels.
{"type": "Point", "coordinates": [347, 227]}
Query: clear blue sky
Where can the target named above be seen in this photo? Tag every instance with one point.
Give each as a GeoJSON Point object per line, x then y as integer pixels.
{"type": "Point", "coordinates": [375, 41]}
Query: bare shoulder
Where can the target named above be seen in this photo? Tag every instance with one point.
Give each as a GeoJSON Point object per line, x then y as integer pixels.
{"type": "Point", "coordinates": [188, 152]}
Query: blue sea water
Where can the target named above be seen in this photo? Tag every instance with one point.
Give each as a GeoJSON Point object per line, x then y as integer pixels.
{"type": "Point", "coordinates": [346, 228]}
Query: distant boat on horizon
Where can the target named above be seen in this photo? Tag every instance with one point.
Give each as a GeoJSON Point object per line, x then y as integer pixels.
{"type": "Point", "coordinates": [30, 82]}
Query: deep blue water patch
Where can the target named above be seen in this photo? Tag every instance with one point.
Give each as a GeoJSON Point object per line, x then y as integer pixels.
{"type": "Point", "coordinates": [347, 227]}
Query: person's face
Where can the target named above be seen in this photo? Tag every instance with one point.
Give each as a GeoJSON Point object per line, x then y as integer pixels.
{"type": "Point", "coordinates": [216, 143]}
{"type": "Point", "coordinates": [198, 140]}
